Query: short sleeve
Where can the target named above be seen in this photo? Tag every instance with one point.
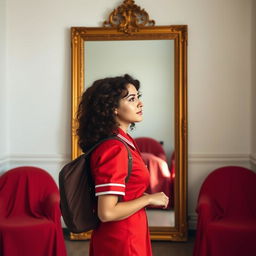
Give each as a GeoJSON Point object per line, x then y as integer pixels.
{"type": "Point", "coordinates": [109, 166]}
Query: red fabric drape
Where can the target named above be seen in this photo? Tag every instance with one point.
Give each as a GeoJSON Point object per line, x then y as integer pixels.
{"type": "Point", "coordinates": [160, 177]}
{"type": "Point", "coordinates": [149, 145]}
{"type": "Point", "coordinates": [30, 214]}
{"type": "Point", "coordinates": [227, 214]}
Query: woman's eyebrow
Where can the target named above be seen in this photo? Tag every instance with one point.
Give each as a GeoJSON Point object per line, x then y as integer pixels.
{"type": "Point", "coordinates": [130, 95]}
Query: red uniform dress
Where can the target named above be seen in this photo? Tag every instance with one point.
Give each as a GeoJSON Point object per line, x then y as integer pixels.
{"type": "Point", "coordinates": [109, 165]}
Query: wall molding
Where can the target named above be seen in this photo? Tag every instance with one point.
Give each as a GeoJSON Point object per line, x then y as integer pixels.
{"type": "Point", "coordinates": [200, 157]}
{"type": "Point", "coordinates": [4, 163]}
{"type": "Point", "coordinates": [13, 160]}
{"type": "Point", "coordinates": [4, 159]}
{"type": "Point", "coordinates": [253, 158]}
{"type": "Point", "coordinates": [219, 158]}
{"type": "Point", "coordinates": [243, 159]}
{"type": "Point", "coordinates": [35, 158]}
{"type": "Point", "coordinates": [253, 161]}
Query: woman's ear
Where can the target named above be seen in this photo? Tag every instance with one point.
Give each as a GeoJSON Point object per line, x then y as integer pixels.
{"type": "Point", "coordinates": [115, 111]}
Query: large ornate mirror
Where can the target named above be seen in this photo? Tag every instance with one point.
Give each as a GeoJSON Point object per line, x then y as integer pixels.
{"type": "Point", "coordinates": [157, 56]}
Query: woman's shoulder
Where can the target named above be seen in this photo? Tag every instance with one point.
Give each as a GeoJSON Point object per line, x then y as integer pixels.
{"type": "Point", "coordinates": [111, 145]}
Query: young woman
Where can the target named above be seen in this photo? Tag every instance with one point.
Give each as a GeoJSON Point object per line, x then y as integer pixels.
{"type": "Point", "coordinates": [110, 107]}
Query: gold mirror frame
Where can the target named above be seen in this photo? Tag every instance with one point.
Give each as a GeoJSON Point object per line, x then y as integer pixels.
{"type": "Point", "coordinates": [127, 28]}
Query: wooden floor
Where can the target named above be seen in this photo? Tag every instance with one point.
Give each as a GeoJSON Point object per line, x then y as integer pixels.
{"type": "Point", "coordinates": [80, 248]}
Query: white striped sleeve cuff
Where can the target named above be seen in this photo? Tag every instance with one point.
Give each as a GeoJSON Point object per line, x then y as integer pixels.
{"type": "Point", "coordinates": [110, 188]}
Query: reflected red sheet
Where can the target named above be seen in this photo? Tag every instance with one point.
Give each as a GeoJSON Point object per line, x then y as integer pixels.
{"type": "Point", "coordinates": [160, 176]}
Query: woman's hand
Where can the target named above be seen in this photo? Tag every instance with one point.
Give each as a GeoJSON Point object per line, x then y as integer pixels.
{"type": "Point", "coordinates": [158, 199]}
{"type": "Point", "coordinates": [109, 209]}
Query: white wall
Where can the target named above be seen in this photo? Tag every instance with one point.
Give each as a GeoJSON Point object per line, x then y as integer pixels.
{"type": "Point", "coordinates": [3, 93]}
{"type": "Point", "coordinates": [219, 79]}
{"type": "Point", "coordinates": [253, 98]}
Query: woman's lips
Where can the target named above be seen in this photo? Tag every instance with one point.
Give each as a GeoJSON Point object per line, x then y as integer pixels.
{"type": "Point", "coordinates": [139, 113]}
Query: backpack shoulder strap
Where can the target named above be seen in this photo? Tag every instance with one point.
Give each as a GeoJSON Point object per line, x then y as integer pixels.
{"type": "Point", "coordinates": [129, 158]}
{"type": "Point", "coordinates": [125, 144]}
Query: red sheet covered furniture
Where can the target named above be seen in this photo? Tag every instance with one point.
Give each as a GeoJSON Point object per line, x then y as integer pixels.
{"type": "Point", "coordinates": [227, 213]}
{"type": "Point", "coordinates": [155, 158]}
{"type": "Point", "coordinates": [150, 145]}
{"type": "Point", "coordinates": [160, 177]}
{"type": "Point", "coordinates": [30, 214]}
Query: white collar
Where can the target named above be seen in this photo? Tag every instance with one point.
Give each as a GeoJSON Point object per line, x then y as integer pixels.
{"type": "Point", "coordinates": [126, 140]}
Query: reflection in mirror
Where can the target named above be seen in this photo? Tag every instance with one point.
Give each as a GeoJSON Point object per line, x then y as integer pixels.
{"type": "Point", "coordinates": [152, 63]}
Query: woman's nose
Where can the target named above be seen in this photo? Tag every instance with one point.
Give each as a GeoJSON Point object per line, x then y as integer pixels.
{"type": "Point", "coordinates": [140, 103]}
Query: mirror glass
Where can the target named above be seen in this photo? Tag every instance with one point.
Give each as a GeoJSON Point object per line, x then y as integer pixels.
{"type": "Point", "coordinates": [152, 63]}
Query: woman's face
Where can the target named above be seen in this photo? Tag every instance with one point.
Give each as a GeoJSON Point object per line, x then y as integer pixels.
{"type": "Point", "coordinates": [130, 108]}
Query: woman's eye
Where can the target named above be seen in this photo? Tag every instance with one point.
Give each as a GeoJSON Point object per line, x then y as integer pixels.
{"type": "Point", "coordinates": [139, 96]}
{"type": "Point", "coordinates": [132, 99]}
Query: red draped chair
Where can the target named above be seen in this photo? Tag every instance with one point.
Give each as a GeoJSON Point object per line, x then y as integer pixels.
{"type": "Point", "coordinates": [227, 213]}
{"type": "Point", "coordinates": [150, 145]}
{"type": "Point", "coordinates": [30, 214]}
{"type": "Point", "coordinates": [161, 178]}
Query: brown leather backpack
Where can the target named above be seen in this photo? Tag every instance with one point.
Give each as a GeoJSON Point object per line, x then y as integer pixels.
{"type": "Point", "coordinates": [77, 191]}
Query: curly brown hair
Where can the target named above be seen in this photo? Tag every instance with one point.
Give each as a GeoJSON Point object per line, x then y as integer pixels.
{"type": "Point", "coordinates": [96, 118]}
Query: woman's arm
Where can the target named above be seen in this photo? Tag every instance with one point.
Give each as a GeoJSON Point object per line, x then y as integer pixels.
{"type": "Point", "coordinates": [109, 209]}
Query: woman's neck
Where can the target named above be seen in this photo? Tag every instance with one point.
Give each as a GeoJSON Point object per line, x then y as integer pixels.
{"type": "Point", "coordinates": [124, 127]}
